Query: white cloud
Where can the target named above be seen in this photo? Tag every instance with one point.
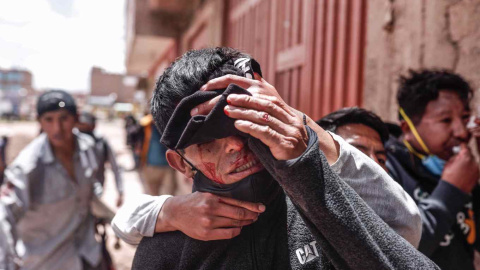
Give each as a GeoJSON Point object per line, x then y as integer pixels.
{"type": "Point", "coordinates": [61, 50]}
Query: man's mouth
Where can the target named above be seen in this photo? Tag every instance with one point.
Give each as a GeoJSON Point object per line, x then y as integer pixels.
{"type": "Point", "coordinates": [246, 166]}
{"type": "Point", "coordinates": [58, 137]}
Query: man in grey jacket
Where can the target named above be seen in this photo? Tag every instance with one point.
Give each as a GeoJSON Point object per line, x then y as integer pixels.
{"type": "Point", "coordinates": [313, 220]}
{"type": "Point", "coordinates": [45, 200]}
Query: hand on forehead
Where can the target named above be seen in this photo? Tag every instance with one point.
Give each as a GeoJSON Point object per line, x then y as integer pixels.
{"type": "Point", "coordinates": [256, 86]}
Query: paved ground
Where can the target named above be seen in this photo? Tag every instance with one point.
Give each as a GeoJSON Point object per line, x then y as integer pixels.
{"type": "Point", "coordinates": [20, 133]}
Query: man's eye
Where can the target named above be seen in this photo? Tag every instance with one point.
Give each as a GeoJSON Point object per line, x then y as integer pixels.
{"type": "Point", "coordinates": [381, 160]}
{"type": "Point", "coordinates": [446, 120]}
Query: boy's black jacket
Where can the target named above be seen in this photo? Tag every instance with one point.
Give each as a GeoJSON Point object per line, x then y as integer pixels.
{"type": "Point", "coordinates": [450, 217]}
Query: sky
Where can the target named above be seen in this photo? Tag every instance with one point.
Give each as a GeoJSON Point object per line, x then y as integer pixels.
{"type": "Point", "coordinates": [60, 40]}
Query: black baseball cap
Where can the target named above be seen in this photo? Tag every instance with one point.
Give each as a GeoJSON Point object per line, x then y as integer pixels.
{"type": "Point", "coordinates": [56, 100]}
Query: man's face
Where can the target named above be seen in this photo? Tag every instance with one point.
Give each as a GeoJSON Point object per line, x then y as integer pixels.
{"type": "Point", "coordinates": [365, 139]}
{"type": "Point", "coordinates": [224, 161]}
{"type": "Point", "coordinates": [443, 125]}
{"type": "Point", "coordinates": [58, 126]}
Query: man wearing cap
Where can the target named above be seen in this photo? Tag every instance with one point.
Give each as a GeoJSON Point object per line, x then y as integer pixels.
{"type": "Point", "coordinates": [86, 124]}
{"type": "Point", "coordinates": [48, 189]}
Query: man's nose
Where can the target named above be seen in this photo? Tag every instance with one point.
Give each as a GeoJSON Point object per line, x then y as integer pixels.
{"type": "Point", "coordinates": [460, 131]}
{"type": "Point", "coordinates": [57, 126]}
{"type": "Point", "coordinates": [371, 154]}
{"type": "Point", "coordinates": [234, 144]}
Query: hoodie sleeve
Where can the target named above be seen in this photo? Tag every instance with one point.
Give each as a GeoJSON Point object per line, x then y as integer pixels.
{"type": "Point", "coordinates": [438, 211]}
{"type": "Point", "coordinates": [137, 218]}
{"type": "Point", "coordinates": [379, 191]}
{"type": "Point", "coordinates": [351, 235]}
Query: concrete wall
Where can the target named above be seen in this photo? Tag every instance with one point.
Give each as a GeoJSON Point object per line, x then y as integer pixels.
{"type": "Point", "coordinates": [404, 34]}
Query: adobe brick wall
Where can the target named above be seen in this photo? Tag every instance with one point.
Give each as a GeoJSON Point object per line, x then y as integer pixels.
{"type": "Point", "coordinates": [103, 83]}
{"type": "Point", "coordinates": [403, 34]}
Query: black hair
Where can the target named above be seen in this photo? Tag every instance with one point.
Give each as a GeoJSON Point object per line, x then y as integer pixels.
{"type": "Point", "coordinates": [420, 87]}
{"type": "Point", "coordinates": [87, 118]}
{"type": "Point", "coordinates": [186, 75]}
{"type": "Point", "coordinates": [394, 129]}
{"type": "Point", "coordinates": [354, 115]}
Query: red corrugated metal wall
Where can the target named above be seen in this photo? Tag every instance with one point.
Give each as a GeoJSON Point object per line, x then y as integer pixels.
{"type": "Point", "coordinates": [311, 50]}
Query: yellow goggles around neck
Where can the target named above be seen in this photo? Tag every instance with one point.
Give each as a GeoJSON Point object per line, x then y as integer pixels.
{"type": "Point", "coordinates": [415, 134]}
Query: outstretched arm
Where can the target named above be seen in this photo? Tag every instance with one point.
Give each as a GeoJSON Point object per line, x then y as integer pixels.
{"type": "Point", "coordinates": [116, 172]}
{"type": "Point", "coordinates": [214, 217]}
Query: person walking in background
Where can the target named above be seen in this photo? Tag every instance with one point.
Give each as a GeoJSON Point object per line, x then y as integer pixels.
{"type": "Point", "coordinates": [48, 190]}
{"type": "Point", "coordinates": [8, 257]}
{"type": "Point", "coordinates": [134, 137]}
{"type": "Point", "coordinates": [3, 160]}
{"type": "Point", "coordinates": [157, 176]}
{"type": "Point", "coordinates": [86, 124]}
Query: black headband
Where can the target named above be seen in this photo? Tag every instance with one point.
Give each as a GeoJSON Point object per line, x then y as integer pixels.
{"type": "Point", "coordinates": [183, 130]}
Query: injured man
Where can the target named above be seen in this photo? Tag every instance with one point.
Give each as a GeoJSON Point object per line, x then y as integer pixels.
{"type": "Point", "coordinates": [251, 146]}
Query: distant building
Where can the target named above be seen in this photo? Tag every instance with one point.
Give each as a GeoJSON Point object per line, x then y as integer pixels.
{"type": "Point", "coordinates": [16, 92]}
{"type": "Point", "coordinates": [105, 84]}
{"type": "Point", "coordinates": [115, 93]}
